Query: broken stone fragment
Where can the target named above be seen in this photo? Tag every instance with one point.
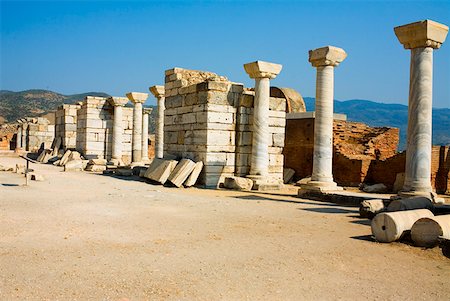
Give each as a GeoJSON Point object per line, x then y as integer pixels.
{"type": "Point", "coordinates": [97, 162]}
{"type": "Point", "coordinates": [376, 188]}
{"type": "Point", "coordinates": [181, 172]}
{"type": "Point", "coordinates": [74, 165]}
{"type": "Point", "coordinates": [238, 183]}
{"type": "Point", "coordinates": [288, 174]}
{"type": "Point", "coordinates": [192, 179]}
{"type": "Point", "coordinates": [370, 208]}
{"type": "Point", "coordinates": [95, 168]}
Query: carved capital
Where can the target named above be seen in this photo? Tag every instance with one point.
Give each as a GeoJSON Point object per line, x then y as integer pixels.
{"type": "Point", "coordinates": [260, 69]}
{"type": "Point", "coordinates": [157, 91]}
{"type": "Point", "coordinates": [118, 101]}
{"type": "Point", "coordinates": [137, 97]}
{"type": "Point", "coordinates": [426, 33]}
{"type": "Point", "coordinates": [327, 56]}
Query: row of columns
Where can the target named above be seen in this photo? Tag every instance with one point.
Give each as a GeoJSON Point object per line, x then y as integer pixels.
{"type": "Point", "coordinates": [21, 136]}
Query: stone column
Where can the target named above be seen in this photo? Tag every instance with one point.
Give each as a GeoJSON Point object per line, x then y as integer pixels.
{"type": "Point", "coordinates": [117, 134]}
{"type": "Point", "coordinates": [19, 137]}
{"type": "Point", "coordinates": [421, 37]}
{"type": "Point", "coordinates": [324, 59]}
{"type": "Point", "coordinates": [137, 99]}
{"type": "Point", "coordinates": [146, 112]}
{"type": "Point", "coordinates": [262, 72]}
{"type": "Point", "coordinates": [158, 92]}
{"type": "Point", "coordinates": [24, 136]}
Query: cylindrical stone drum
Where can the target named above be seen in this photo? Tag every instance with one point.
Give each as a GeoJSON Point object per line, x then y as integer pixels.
{"type": "Point", "coordinates": [390, 226]}
{"type": "Point", "coordinates": [426, 231]}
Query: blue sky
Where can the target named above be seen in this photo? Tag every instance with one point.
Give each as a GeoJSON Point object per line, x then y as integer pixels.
{"type": "Point", "coordinates": [116, 47]}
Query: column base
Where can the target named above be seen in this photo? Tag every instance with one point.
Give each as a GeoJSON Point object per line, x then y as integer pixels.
{"type": "Point", "coordinates": [427, 194]}
{"type": "Point", "coordinates": [265, 183]}
{"type": "Point", "coordinates": [320, 186]}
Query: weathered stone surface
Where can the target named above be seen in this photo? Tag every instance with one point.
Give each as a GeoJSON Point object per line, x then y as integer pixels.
{"type": "Point", "coordinates": [36, 177]}
{"type": "Point", "coordinates": [426, 33]}
{"type": "Point", "coordinates": [192, 179]}
{"type": "Point", "coordinates": [126, 172]}
{"type": "Point", "coordinates": [74, 165]}
{"type": "Point", "coordinates": [376, 188]}
{"type": "Point", "coordinates": [97, 162]}
{"type": "Point", "coordinates": [95, 168]}
{"type": "Point", "coordinates": [370, 208]}
{"type": "Point", "coordinates": [181, 172]}
{"type": "Point", "coordinates": [160, 170]}
{"type": "Point", "coordinates": [238, 183]}
{"type": "Point", "coordinates": [288, 174]}
{"type": "Point", "coordinates": [426, 231]}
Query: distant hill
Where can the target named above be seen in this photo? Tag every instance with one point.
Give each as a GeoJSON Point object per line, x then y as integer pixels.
{"type": "Point", "coordinates": [32, 103]}
{"type": "Point", "coordinates": [392, 115]}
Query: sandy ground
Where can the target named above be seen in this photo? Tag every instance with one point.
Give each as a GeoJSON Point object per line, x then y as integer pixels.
{"type": "Point", "coordinates": [84, 236]}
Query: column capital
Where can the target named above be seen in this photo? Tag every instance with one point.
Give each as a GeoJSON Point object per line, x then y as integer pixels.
{"type": "Point", "coordinates": [137, 97]}
{"type": "Point", "coordinates": [157, 91]}
{"type": "Point", "coordinates": [147, 110]}
{"type": "Point", "coordinates": [117, 101]}
{"type": "Point", "coordinates": [426, 33]}
{"type": "Point", "coordinates": [327, 56]}
{"type": "Point", "coordinates": [261, 69]}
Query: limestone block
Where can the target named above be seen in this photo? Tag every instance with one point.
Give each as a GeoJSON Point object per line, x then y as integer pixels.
{"type": "Point", "coordinates": [218, 169]}
{"type": "Point", "coordinates": [279, 122]}
{"type": "Point", "coordinates": [238, 183]}
{"type": "Point", "coordinates": [376, 188]}
{"type": "Point", "coordinates": [426, 231]}
{"type": "Point", "coordinates": [399, 182]}
{"type": "Point", "coordinates": [160, 170]}
{"type": "Point", "coordinates": [277, 104]}
{"type": "Point", "coordinates": [95, 168]}
{"type": "Point", "coordinates": [74, 165]}
{"type": "Point", "coordinates": [189, 118]}
{"type": "Point", "coordinates": [244, 138]}
{"type": "Point", "coordinates": [370, 208]}
{"type": "Point", "coordinates": [219, 138]}
{"type": "Point", "coordinates": [288, 175]}
{"type": "Point", "coordinates": [97, 161]}
{"type": "Point", "coordinates": [390, 226]}
{"type": "Point", "coordinates": [192, 179]}
{"type": "Point", "coordinates": [74, 155]}
{"type": "Point", "coordinates": [426, 33]}
{"type": "Point", "coordinates": [181, 172]}
{"type": "Point", "coordinates": [276, 160]}
{"type": "Point", "coordinates": [278, 140]}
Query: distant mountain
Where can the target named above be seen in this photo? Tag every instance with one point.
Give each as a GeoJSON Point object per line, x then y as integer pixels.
{"type": "Point", "coordinates": [32, 103]}
{"type": "Point", "coordinates": [392, 115]}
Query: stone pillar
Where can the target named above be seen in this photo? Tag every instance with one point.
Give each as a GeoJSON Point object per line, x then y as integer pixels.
{"type": "Point", "coordinates": [146, 112]}
{"type": "Point", "coordinates": [158, 92]}
{"type": "Point", "coordinates": [324, 59]}
{"type": "Point", "coordinates": [421, 37]}
{"type": "Point", "coordinates": [19, 138]}
{"type": "Point", "coordinates": [262, 72]}
{"type": "Point", "coordinates": [137, 99]}
{"type": "Point", "coordinates": [117, 134]}
{"type": "Point", "coordinates": [24, 136]}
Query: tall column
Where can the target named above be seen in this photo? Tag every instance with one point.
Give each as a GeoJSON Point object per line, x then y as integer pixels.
{"type": "Point", "coordinates": [137, 99]}
{"type": "Point", "coordinates": [158, 92]}
{"type": "Point", "coordinates": [24, 136]}
{"type": "Point", "coordinates": [324, 59]}
{"type": "Point", "coordinates": [262, 72]}
{"type": "Point", "coordinates": [19, 138]}
{"type": "Point", "coordinates": [421, 37]}
{"type": "Point", "coordinates": [117, 134]}
{"type": "Point", "coordinates": [146, 112]}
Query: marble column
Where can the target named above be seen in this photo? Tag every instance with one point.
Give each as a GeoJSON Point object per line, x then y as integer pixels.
{"type": "Point", "coordinates": [19, 138]}
{"type": "Point", "coordinates": [24, 136]}
{"type": "Point", "coordinates": [117, 134]}
{"type": "Point", "coordinates": [421, 37]}
{"type": "Point", "coordinates": [325, 59]}
{"type": "Point", "coordinates": [137, 99]}
{"type": "Point", "coordinates": [146, 112]}
{"type": "Point", "coordinates": [262, 72]}
{"type": "Point", "coordinates": [158, 92]}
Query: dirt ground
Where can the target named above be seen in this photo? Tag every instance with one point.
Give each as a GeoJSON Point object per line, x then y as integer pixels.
{"type": "Point", "coordinates": [85, 236]}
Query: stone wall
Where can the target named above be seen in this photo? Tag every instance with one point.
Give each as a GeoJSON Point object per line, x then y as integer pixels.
{"type": "Point", "coordinates": [39, 134]}
{"type": "Point", "coordinates": [209, 119]}
{"type": "Point", "coordinates": [66, 125]}
{"type": "Point", "coordinates": [94, 129]}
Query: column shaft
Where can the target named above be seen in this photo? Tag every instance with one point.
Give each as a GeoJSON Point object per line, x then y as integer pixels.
{"type": "Point", "coordinates": [19, 138]}
{"type": "Point", "coordinates": [418, 151]}
{"type": "Point", "coordinates": [160, 129]}
{"type": "Point", "coordinates": [261, 135]}
{"type": "Point", "coordinates": [323, 126]}
{"type": "Point", "coordinates": [24, 138]}
{"type": "Point", "coordinates": [145, 137]}
{"type": "Point", "coordinates": [117, 133]}
{"type": "Point", "coordinates": [137, 132]}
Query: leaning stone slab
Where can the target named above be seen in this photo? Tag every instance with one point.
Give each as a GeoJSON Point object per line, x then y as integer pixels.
{"type": "Point", "coordinates": [65, 157]}
{"type": "Point", "coordinates": [74, 165]}
{"type": "Point", "coordinates": [238, 183]}
{"type": "Point", "coordinates": [160, 170]}
{"type": "Point", "coordinates": [192, 179]}
{"type": "Point", "coordinates": [288, 174]}
{"type": "Point", "coordinates": [181, 172]}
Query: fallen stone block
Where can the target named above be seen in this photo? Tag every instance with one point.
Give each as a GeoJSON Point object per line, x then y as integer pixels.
{"type": "Point", "coordinates": [376, 188]}
{"type": "Point", "coordinates": [138, 170]}
{"type": "Point", "coordinates": [95, 168]}
{"type": "Point", "coordinates": [36, 177]}
{"type": "Point", "coordinates": [65, 157]}
{"type": "Point", "coordinates": [391, 226]}
{"type": "Point", "coordinates": [127, 172]}
{"type": "Point", "coordinates": [181, 172]}
{"type": "Point", "coordinates": [193, 177]}
{"type": "Point", "coordinates": [426, 231]}
{"type": "Point", "coordinates": [412, 203]}
{"type": "Point", "coordinates": [238, 183]}
{"type": "Point", "coordinates": [74, 165]}
{"type": "Point", "coordinates": [303, 181]}
{"type": "Point", "coordinates": [160, 170]}
{"type": "Point", "coordinates": [57, 162]}
{"type": "Point", "coordinates": [288, 175]}
{"type": "Point", "coordinates": [74, 155]}
{"type": "Point", "coordinates": [399, 181]}
{"type": "Point", "coordinates": [370, 208]}
{"type": "Point", "coordinates": [20, 168]}
{"type": "Point", "coordinates": [97, 162]}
